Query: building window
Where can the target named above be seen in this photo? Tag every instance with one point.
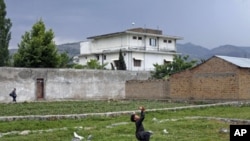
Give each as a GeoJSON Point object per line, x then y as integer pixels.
{"type": "Point", "coordinates": [139, 38]}
{"type": "Point", "coordinates": [137, 63]}
{"type": "Point", "coordinates": [97, 57]}
{"type": "Point", "coordinates": [166, 62]}
{"type": "Point", "coordinates": [134, 37]}
{"type": "Point", "coordinates": [104, 57]}
{"type": "Point", "coordinates": [152, 42]}
{"type": "Point", "coordinates": [167, 41]}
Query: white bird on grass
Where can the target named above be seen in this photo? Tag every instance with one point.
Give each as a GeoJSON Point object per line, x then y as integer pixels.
{"type": "Point", "coordinates": [165, 131]}
{"type": "Point", "coordinates": [77, 136]}
{"type": "Point", "coordinates": [154, 119]}
{"type": "Point", "coordinates": [89, 138]}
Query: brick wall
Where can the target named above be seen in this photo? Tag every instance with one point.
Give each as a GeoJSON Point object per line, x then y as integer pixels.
{"type": "Point", "coordinates": [244, 83]}
{"type": "Point", "coordinates": [147, 89]}
{"type": "Point", "coordinates": [180, 85]}
{"type": "Point", "coordinates": [215, 79]}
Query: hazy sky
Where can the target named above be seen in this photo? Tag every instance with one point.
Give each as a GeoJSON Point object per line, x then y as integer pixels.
{"type": "Point", "coordinates": [209, 23]}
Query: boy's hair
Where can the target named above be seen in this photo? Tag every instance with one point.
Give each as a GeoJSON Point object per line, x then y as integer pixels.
{"type": "Point", "coordinates": [132, 118]}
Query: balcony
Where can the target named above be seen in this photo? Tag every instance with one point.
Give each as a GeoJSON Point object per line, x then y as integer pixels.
{"type": "Point", "coordinates": [156, 49]}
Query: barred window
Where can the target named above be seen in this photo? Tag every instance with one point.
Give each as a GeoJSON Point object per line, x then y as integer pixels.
{"type": "Point", "coordinates": [137, 63]}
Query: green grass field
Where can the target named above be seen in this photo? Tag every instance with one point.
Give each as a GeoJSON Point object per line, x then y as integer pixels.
{"type": "Point", "coordinates": [118, 128]}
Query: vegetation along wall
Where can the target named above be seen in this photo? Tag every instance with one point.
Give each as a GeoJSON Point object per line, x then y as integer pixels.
{"type": "Point", "coordinates": [63, 84]}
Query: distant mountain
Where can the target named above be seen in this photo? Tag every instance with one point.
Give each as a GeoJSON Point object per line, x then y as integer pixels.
{"type": "Point", "coordinates": [230, 50]}
{"type": "Point", "coordinates": [196, 52]}
{"type": "Point", "coordinates": [72, 49]}
{"type": "Point", "coordinates": [12, 51]}
{"type": "Point", "coordinates": [247, 49]}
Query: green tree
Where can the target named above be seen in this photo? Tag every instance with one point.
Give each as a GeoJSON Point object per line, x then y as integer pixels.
{"type": "Point", "coordinates": [179, 63]}
{"type": "Point", "coordinates": [64, 60]}
{"type": "Point", "coordinates": [202, 61]}
{"type": "Point", "coordinates": [37, 49]}
{"type": "Point", "coordinates": [77, 66]}
{"type": "Point", "coordinates": [94, 64]}
{"type": "Point", "coordinates": [121, 62]}
{"type": "Point", "coordinates": [5, 35]}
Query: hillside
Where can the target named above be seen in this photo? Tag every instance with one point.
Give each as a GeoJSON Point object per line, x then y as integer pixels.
{"type": "Point", "coordinates": [194, 51]}
{"type": "Point", "coordinates": [198, 52]}
{"type": "Point", "coordinates": [230, 50]}
{"type": "Point", "coordinates": [72, 49]}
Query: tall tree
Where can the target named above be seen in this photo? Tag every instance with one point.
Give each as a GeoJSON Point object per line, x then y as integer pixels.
{"type": "Point", "coordinates": [5, 34]}
{"type": "Point", "coordinates": [37, 49]}
{"type": "Point", "coordinates": [121, 62]}
{"type": "Point", "coordinates": [64, 60]}
{"type": "Point", "coordinates": [179, 63]}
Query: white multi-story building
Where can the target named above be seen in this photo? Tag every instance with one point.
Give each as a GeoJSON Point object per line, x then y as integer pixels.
{"type": "Point", "coordinates": [141, 48]}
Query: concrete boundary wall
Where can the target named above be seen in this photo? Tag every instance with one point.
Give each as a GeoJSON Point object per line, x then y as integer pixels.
{"type": "Point", "coordinates": [65, 84]}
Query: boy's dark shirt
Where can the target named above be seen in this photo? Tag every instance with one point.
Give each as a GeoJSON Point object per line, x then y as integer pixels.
{"type": "Point", "coordinates": [139, 125]}
{"type": "Point", "coordinates": [13, 93]}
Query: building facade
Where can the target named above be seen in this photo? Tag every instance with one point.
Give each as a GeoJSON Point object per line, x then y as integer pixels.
{"type": "Point", "coordinates": [141, 48]}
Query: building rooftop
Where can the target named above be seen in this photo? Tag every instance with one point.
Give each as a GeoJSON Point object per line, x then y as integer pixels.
{"type": "Point", "coordinates": [146, 30]}
{"type": "Point", "coordinates": [138, 31]}
{"type": "Point", "coordinates": [240, 62]}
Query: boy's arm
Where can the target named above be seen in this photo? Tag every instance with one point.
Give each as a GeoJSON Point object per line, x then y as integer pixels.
{"type": "Point", "coordinates": [142, 114]}
{"type": "Point", "coordinates": [139, 122]}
